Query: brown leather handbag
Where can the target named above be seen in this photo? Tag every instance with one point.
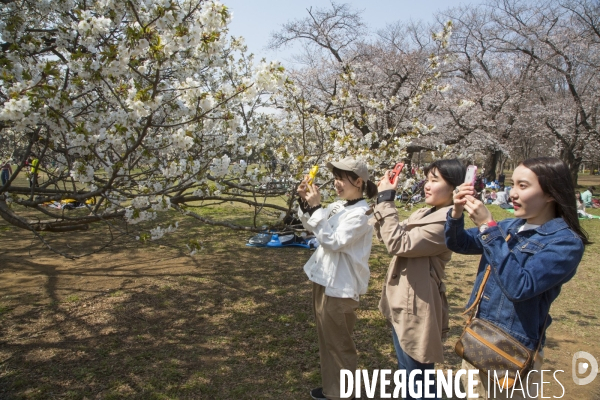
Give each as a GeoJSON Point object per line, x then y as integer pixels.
{"type": "Point", "coordinates": [490, 349]}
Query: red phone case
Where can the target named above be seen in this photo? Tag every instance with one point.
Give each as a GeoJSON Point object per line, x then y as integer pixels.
{"type": "Point", "coordinates": [396, 171]}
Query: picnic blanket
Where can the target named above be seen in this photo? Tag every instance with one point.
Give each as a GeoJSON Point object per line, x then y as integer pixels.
{"type": "Point", "coordinates": [271, 239]}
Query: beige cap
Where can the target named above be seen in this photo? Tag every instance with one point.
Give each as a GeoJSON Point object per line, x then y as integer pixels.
{"type": "Point", "coordinates": [351, 164]}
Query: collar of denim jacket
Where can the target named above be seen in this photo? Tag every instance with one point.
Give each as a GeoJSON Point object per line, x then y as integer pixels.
{"type": "Point", "coordinates": [550, 227]}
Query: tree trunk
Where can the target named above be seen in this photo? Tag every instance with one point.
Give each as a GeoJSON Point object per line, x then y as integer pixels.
{"type": "Point", "coordinates": [491, 160]}
{"type": "Point", "coordinates": [573, 163]}
{"type": "Point", "coordinates": [408, 162]}
{"type": "Point", "coordinates": [502, 163]}
{"type": "Point", "coordinates": [574, 168]}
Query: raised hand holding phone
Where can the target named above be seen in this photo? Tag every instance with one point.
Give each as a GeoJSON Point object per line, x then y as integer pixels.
{"type": "Point", "coordinates": [478, 212]}
{"type": "Point", "coordinates": [309, 193]}
{"type": "Point", "coordinates": [302, 189]}
{"type": "Point", "coordinates": [466, 189]}
{"type": "Point", "coordinates": [395, 172]}
{"type": "Point", "coordinates": [390, 179]}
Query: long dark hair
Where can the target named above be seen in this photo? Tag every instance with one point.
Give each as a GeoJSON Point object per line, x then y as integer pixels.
{"type": "Point", "coordinates": [452, 171]}
{"type": "Point", "coordinates": [368, 187]}
{"type": "Point", "coordinates": [555, 179]}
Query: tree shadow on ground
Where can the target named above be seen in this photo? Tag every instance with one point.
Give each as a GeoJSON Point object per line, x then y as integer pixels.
{"type": "Point", "coordinates": [143, 323]}
{"type": "Point", "coordinates": [152, 323]}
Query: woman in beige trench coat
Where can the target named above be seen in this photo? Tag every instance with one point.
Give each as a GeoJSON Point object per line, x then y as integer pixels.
{"type": "Point", "coordinates": [413, 298]}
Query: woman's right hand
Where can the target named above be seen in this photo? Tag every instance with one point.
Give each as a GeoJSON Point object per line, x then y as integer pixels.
{"type": "Point", "coordinates": [385, 184]}
{"type": "Point", "coordinates": [466, 189]}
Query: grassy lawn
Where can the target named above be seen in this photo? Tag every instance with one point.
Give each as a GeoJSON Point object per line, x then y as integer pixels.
{"type": "Point", "coordinates": [147, 321]}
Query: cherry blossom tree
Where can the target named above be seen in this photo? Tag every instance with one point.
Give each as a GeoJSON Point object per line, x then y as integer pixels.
{"type": "Point", "coordinates": [538, 63]}
{"type": "Point", "coordinates": [561, 37]}
{"type": "Point", "coordinates": [490, 102]}
{"type": "Point", "coordinates": [361, 93]}
{"type": "Point", "coordinates": [135, 107]}
{"type": "Point", "coordinates": [139, 107]}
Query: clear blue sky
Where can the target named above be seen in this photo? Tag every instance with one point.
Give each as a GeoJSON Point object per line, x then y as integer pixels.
{"type": "Point", "coordinates": [256, 19]}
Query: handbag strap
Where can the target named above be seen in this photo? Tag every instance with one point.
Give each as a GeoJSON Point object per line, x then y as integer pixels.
{"type": "Point", "coordinates": [486, 275]}
{"type": "Point", "coordinates": [473, 307]}
{"type": "Point", "coordinates": [537, 349]}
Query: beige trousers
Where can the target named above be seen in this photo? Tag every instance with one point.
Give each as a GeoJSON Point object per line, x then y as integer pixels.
{"type": "Point", "coordinates": [335, 323]}
{"type": "Point", "coordinates": [535, 379]}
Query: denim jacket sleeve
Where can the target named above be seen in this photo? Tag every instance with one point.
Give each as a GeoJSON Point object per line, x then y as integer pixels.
{"type": "Point", "coordinates": [459, 239]}
{"type": "Point", "coordinates": [538, 267]}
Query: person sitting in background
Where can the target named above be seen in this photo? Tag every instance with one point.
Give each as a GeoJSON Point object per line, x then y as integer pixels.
{"type": "Point", "coordinates": [501, 178]}
{"type": "Point", "coordinates": [581, 207]}
{"type": "Point", "coordinates": [6, 172]}
{"type": "Point", "coordinates": [586, 197]}
{"type": "Point", "coordinates": [485, 196]}
{"type": "Point", "coordinates": [502, 199]}
{"type": "Point", "coordinates": [579, 202]}
{"type": "Point", "coordinates": [492, 185]}
{"type": "Point", "coordinates": [488, 197]}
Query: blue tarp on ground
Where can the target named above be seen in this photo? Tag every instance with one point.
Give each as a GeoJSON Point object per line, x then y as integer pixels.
{"type": "Point", "coordinates": [267, 239]}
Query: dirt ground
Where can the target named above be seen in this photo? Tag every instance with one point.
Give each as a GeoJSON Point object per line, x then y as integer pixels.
{"type": "Point", "coordinates": [150, 322]}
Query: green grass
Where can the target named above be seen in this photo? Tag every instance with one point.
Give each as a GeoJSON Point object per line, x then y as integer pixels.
{"type": "Point", "coordinates": [4, 309]}
{"type": "Point", "coordinates": [73, 298]}
{"type": "Point", "coordinates": [145, 321]}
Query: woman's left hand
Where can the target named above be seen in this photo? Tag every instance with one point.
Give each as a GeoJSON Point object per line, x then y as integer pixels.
{"type": "Point", "coordinates": [313, 197]}
{"type": "Point", "coordinates": [478, 212]}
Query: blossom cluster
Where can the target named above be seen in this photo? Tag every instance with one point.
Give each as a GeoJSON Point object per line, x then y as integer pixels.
{"type": "Point", "coordinates": [137, 101]}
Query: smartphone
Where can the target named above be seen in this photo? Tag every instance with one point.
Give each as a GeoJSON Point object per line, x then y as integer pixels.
{"type": "Point", "coordinates": [312, 174]}
{"type": "Point", "coordinates": [396, 171]}
{"type": "Point", "coordinates": [471, 175]}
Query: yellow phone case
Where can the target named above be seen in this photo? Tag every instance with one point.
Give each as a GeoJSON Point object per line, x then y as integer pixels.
{"type": "Point", "coordinates": [312, 174]}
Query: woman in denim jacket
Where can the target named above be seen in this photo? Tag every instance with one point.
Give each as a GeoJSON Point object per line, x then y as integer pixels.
{"type": "Point", "coordinates": [544, 247]}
